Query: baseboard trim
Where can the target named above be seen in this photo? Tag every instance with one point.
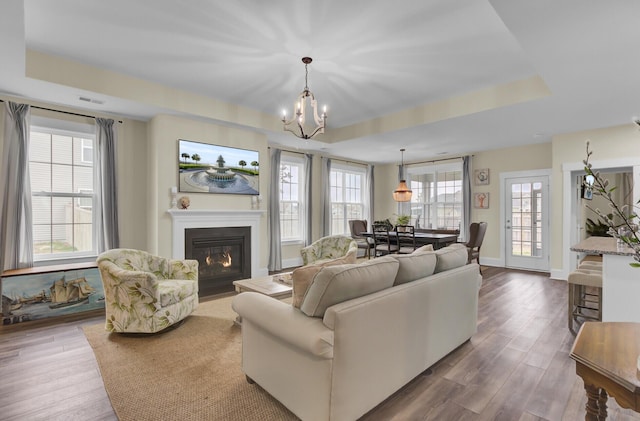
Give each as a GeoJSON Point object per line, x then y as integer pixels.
{"type": "Point", "coordinates": [292, 263]}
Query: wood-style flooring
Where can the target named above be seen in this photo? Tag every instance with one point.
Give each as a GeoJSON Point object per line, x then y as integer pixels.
{"type": "Point", "coordinates": [517, 366]}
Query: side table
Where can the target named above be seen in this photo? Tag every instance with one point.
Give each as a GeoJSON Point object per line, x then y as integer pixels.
{"type": "Point", "coordinates": [606, 355]}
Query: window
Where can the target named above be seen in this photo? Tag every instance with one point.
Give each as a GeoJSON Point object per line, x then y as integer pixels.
{"type": "Point", "coordinates": [291, 198]}
{"type": "Point", "coordinates": [347, 201]}
{"type": "Point", "coordinates": [437, 196]}
{"type": "Point", "coordinates": [62, 185]}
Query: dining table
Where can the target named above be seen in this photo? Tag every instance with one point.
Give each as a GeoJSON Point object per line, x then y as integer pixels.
{"type": "Point", "coordinates": [422, 238]}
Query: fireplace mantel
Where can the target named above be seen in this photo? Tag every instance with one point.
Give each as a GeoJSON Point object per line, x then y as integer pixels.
{"type": "Point", "coordinates": [200, 218]}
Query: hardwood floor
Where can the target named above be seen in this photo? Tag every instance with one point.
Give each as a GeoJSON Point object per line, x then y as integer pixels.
{"type": "Point", "coordinates": [517, 366]}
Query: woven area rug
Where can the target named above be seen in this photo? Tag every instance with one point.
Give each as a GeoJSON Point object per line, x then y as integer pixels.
{"type": "Point", "coordinates": [190, 373]}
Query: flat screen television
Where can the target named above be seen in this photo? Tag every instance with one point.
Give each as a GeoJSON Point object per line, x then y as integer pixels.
{"type": "Point", "coordinates": [207, 168]}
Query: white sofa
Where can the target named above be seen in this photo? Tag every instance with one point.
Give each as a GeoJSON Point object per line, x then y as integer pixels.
{"type": "Point", "coordinates": [363, 349]}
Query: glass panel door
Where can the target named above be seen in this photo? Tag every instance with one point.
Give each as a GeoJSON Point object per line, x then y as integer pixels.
{"type": "Point", "coordinates": [526, 223]}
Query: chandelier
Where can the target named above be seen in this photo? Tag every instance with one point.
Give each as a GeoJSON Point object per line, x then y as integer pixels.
{"type": "Point", "coordinates": [298, 124]}
{"type": "Point", "coordinates": [402, 193]}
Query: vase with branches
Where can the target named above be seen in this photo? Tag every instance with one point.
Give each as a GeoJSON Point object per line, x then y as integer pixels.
{"type": "Point", "coordinates": [625, 232]}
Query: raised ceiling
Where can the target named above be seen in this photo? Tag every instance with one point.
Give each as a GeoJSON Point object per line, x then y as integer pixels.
{"type": "Point", "coordinates": [437, 77]}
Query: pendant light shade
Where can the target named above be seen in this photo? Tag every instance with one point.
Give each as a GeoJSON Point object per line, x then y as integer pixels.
{"type": "Point", "coordinates": [402, 193]}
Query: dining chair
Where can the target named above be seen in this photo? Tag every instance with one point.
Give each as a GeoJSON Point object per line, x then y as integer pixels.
{"type": "Point", "coordinates": [382, 243]}
{"type": "Point", "coordinates": [476, 236]}
{"type": "Point", "coordinates": [357, 227]}
{"type": "Point", "coordinates": [406, 238]}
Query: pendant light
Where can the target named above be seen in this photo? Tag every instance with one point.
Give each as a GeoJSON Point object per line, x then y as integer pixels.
{"type": "Point", "coordinates": [402, 193]}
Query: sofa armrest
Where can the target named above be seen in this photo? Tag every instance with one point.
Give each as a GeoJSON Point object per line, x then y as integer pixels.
{"type": "Point", "coordinates": [285, 322]}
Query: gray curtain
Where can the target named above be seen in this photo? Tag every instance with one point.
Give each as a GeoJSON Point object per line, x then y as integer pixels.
{"type": "Point", "coordinates": [308, 168]}
{"type": "Point", "coordinates": [104, 168]}
{"type": "Point", "coordinates": [275, 244]}
{"type": "Point", "coordinates": [16, 236]}
{"type": "Point", "coordinates": [325, 204]}
{"type": "Point", "coordinates": [466, 198]}
{"type": "Point", "coordinates": [368, 196]}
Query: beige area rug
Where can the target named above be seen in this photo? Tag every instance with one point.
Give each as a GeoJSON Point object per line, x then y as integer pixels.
{"type": "Point", "coordinates": [190, 373]}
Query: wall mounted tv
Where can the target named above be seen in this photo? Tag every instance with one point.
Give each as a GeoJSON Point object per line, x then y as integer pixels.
{"type": "Point", "coordinates": [207, 168]}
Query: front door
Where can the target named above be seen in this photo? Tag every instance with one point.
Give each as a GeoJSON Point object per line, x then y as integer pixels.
{"type": "Point", "coordinates": [526, 223]}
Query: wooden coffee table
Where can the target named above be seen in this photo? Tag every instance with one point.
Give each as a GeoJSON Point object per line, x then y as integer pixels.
{"type": "Point", "coordinates": [606, 357]}
{"type": "Point", "coordinates": [264, 285]}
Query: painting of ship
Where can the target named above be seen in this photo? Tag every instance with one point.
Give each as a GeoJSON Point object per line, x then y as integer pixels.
{"type": "Point", "coordinates": [34, 296]}
{"type": "Point", "coordinates": [67, 293]}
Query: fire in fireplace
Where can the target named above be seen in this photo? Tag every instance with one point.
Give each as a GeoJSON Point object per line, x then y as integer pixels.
{"type": "Point", "coordinates": [223, 255]}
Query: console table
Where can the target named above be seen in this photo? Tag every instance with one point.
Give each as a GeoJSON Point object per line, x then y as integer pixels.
{"type": "Point", "coordinates": [606, 356]}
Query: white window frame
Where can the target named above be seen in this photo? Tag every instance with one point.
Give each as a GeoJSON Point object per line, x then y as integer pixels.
{"type": "Point", "coordinates": [417, 198]}
{"type": "Point", "coordinates": [345, 169]}
{"type": "Point", "coordinates": [77, 130]}
{"type": "Point", "coordinates": [297, 161]}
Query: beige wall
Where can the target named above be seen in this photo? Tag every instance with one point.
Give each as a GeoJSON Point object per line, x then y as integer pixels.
{"type": "Point", "coordinates": [530, 157]}
{"type": "Point", "coordinates": [607, 144]}
{"type": "Point", "coordinates": [164, 132]}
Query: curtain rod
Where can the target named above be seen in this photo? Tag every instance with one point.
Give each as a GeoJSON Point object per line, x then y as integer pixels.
{"type": "Point", "coordinates": [286, 150]}
{"type": "Point", "coordinates": [63, 112]}
{"type": "Point", "coordinates": [333, 159]}
{"type": "Point", "coordinates": [348, 162]}
{"type": "Point", "coordinates": [438, 160]}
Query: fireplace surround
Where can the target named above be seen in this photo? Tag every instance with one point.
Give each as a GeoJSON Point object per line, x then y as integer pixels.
{"type": "Point", "coordinates": [183, 219]}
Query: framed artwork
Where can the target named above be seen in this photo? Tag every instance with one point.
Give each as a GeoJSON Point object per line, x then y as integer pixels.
{"type": "Point", "coordinates": [481, 176]}
{"type": "Point", "coordinates": [207, 168]}
{"type": "Point", "coordinates": [41, 295]}
{"type": "Point", "coordinates": [481, 200]}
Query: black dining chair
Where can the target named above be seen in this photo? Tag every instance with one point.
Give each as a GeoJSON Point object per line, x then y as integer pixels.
{"type": "Point", "coordinates": [382, 241]}
{"type": "Point", "coordinates": [406, 238]}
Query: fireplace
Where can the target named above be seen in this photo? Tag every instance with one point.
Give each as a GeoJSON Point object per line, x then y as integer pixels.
{"type": "Point", "coordinates": [223, 255]}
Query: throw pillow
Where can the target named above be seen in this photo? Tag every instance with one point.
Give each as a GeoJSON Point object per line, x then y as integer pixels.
{"type": "Point", "coordinates": [414, 266]}
{"type": "Point", "coordinates": [301, 277]}
{"type": "Point", "coordinates": [451, 257]}
{"type": "Point", "coordinates": [335, 284]}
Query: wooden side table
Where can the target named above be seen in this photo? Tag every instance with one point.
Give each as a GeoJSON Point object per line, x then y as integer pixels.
{"type": "Point", "coordinates": [606, 356]}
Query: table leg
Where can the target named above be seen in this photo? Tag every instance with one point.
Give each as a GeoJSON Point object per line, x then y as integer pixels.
{"type": "Point", "coordinates": [593, 408]}
{"type": "Point", "coordinates": [602, 405]}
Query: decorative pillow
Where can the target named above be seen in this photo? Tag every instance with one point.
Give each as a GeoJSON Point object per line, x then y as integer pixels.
{"type": "Point", "coordinates": [301, 277]}
{"type": "Point", "coordinates": [426, 247]}
{"type": "Point", "coordinates": [335, 284]}
{"type": "Point", "coordinates": [451, 257]}
{"type": "Point", "coordinates": [414, 266]}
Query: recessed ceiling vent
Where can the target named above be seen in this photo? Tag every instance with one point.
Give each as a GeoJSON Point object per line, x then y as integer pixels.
{"type": "Point", "coordinates": [91, 100]}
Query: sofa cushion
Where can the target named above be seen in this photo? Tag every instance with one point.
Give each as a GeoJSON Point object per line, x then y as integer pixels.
{"type": "Point", "coordinates": [426, 247]}
{"type": "Point", "coordinates": [451, 257]}
{"type": "Point", "coordinates": [414, 266]}
{"type": "Point", "coordinates": [301, 277]}
{"type": "Point", "coordinates": [335, 284]}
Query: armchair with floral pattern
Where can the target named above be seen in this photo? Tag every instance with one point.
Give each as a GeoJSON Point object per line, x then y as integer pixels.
{"type": "Point", "coordinates": [146, 293]}
{"type": "Point", "coordinates": [329, 248]}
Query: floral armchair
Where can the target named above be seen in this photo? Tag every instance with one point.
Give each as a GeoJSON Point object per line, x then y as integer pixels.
{"type": "Point", "coordinates": [146, 293]}
{"type": "Point", "coordinates": [329, 248]}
